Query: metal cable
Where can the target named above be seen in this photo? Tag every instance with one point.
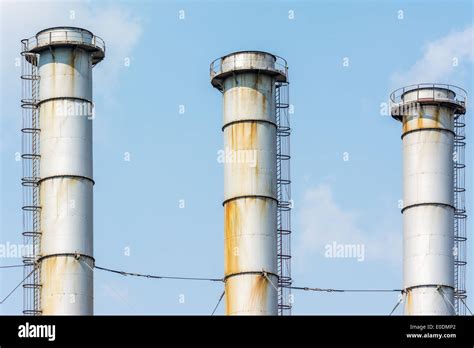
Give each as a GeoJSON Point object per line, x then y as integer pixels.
{"type": "Point", "coordinates": [268, 278]}
{"type": "Point", "coordinates": [443, 295]}
{"type": "Point", "coordinates": [220, 280]}
{"type": "Point", "coordinates": [81, 259]}
{"type": "Point", "coordinates": [343, 290]}
{"type": "Point", "coordinates": [157, 276]}
{"type": "Point", "coordinates": [400, 300]}
{"type": "Point", "coordinates": [462, 300]}
{"type": "Point", "coordinates": [16, 287]}
{"type": "Point", "coordinates": [218, 302]}
{"type": "Point", "coordinates": [12, 266]}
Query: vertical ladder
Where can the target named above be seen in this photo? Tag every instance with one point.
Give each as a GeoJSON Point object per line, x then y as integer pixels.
{"type": "Point", "coordinates": [460, 215]}
{"type": "Point", "coordinates": [284, 198]}
{"type": "Point", "coordinates": [30, 180]}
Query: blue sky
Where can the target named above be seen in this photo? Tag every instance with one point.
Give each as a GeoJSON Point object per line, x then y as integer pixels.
{"type": "Point", "coordinates": [173, 156]}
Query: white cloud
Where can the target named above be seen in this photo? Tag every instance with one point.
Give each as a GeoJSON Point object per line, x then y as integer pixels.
{"type": "Point", "coordinates": [322, 221]}
{"type": "Point", "coordinates": [437, 65]}
{"type": "Point", "coordinates": [120, 30]}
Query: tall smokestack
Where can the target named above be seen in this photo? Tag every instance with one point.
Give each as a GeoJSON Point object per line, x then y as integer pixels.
{"type": "Point", "coordinates": [63, 58]}
{"type": "Point", "coordinates": [247, 80]}
{"type": "Point", "coordinates": [428, 113]}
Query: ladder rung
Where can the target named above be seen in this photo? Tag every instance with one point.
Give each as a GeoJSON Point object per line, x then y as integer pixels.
{"type": "Point", "coordinates": [31, 233]}
{"type": "Point", "coordinates": [31, 207]}
{"type": "Point", "coordinates": [284, 256]}
{"type": "Point", "coordinates": [32, 312]}
{"type": "Point", "coordinates": [29, 103]}
{"type": "Point", "coordinates": [31, 130]}
{"type": "Point", "coordinates": [283, 157]}
{"type": "Point", "coordinates": [30, 156]}
{"type": "Point", "coordinates": [284, 181]}
{"type": "Point", "coordinates": [31, 285]}
{"type": "Point", "coordinates": [29, 77]}
{"type": "Point", "coordinates": [460, 239]}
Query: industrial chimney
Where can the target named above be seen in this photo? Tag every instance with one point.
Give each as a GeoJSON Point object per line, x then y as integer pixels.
{"type": "Point", "coordinates": [249, 81]}
{"type": "Point", "coordinates": [61, 61]}
{"type": "Point", "coordinates": [430, 116]}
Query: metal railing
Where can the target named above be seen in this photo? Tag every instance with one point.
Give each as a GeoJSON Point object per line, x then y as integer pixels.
{"type": "Point", "coordinates": [460, 98]}
{"type": "Point", "coordinates": [64, 36]}
{"type": "Point", "coordinates": [280, 65]}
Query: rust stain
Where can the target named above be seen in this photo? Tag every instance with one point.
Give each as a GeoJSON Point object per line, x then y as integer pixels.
{"type": "Point", "coordinates": [409, 302]}
{"type": "Point", "coordinates": [228, 296]}
{"type": "Point", "coordinates": [243, 136]}
{"type": "Point", "coordinates": [53, 71]}
{"type": "Point", "coordinates": [52, 272]}
{"type": "Point", "coordinates": [437, 124]}
{"type": "Point", "coordinates": [253, 135]}
{"type": "Point", "coordinates": [437, 118]}
{"type": "Point", "coordinates": [72, 58]}
{"type": "Point", "coordinates": [232, 225]}
{"type": "Point", "coordinates": [253, 301]}
{"type": "Point", "coordinates": [235, 222]}
{"type": "Point", "coordinates": [258, 81]}
{"type": "Point", "coordinates": [262, 82]}
{"type": "Point", "coordinates": [258, 295]}
{"type": "Point", "coordinates": [72, 68]}
{"type": "Point", "coordinates": [234, 216]}
{"type": "Point", "coordinates": [420, 119]}
{"type": "Point", "coordinates": [423, 121]}
{"type": "Point", "coordinates": [248, 95]}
